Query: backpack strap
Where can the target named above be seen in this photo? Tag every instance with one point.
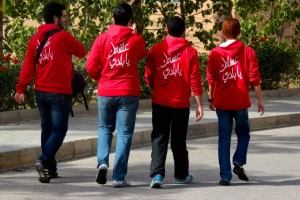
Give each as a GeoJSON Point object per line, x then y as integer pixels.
{"type": "Point", "coordinates": [39, 50]}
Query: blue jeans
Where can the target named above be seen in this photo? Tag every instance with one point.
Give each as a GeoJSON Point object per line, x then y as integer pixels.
{"type": "Point", "coordinates": [54, 110]}
{"type": "Point", "coordinates": [242, 130]}
{"type": "Point", "coordinates": [116, 112]}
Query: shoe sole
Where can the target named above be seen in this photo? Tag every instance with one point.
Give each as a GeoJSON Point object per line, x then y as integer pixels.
{"type": "Point", "coordinates": [183, 182]}
{"type": "Point", "coordinates": [155, 184]}
{"type": "Point", "coordinates": [41, 171]}
{"type": "Point", "coordinates": [101, 176]}
{"type": "Point", "coordinates": [224, 183]}
{"type": "Point", "coordinates": [121, 186]}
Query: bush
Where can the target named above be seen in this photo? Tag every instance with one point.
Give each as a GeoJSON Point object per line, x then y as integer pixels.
{"type": "Point", "coordinates": [278, 63]}
{"type": "Point", "coordinates": [9, 72]}
{"type": "Point", "coordinates": [203, 58]}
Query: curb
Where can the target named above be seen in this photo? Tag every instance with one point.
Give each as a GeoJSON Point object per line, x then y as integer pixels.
{"type": "Point", "coordinates": [87, 147]}
{"type": "Point", "coordinates": [18, 116]}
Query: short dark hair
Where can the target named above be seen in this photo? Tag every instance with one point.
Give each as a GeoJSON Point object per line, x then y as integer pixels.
{"type": "Point", "coordinates": [176, 26]}
{"type": "Point", "coordinates": [51, 10]}
{"type": "Point", "coordinates": [231, 28]}
{"type": "Point", "coordinates": [122, 14]}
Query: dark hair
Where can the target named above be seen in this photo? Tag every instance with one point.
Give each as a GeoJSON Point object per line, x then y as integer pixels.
{"type": "Point", "coordinates": [122, 14]}
{"type": "Point", "coordinates": [176, 26]}
{"type": "Point", "coordinates": [51, 10]}
{"type": "Point", "coordinates": [231, 28]}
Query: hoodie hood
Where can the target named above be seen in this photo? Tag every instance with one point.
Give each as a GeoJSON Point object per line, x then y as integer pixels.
{"type": "Point", "coordinates": [119, 33]}
{"type": "Point", "coordinates": [232, 49]}
{"type": "Point", "coordinates": [175, 44]}
{"type": "Point", "coordinates": [43, 29]}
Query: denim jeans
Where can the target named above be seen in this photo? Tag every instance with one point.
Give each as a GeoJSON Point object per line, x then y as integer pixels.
{"type": "Point", "coordinates": [242, 130]}
{"type": "Point", "coordinates": [165, 120]}
{"type": "Point", "coordinates": [54, 110]}
{"type": "Point", "coordinates": [116, 112]}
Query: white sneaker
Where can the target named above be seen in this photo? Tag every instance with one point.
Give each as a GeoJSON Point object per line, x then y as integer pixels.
{"type": "Point", "coordinates": [119, 184]}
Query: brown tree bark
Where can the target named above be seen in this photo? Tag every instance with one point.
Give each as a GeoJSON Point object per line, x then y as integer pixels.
{"type": "Point", "coordinates": [136, 5]}
{"type": "Point", "coordinates": [1, 26]}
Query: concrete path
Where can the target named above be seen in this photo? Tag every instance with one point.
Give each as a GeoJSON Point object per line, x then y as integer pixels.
{"type": "Point", "coordinates": [273, 161]}
{"type": "Point", "coordinates": [20, 140]}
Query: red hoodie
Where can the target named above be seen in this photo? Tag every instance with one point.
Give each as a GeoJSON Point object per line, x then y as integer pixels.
{"type": "Point", "coordinates": [230, 69]}
{"type": "Point", "coordinates": [54, 71]}
{"type": "Point", "coordinates": [113, 61]}
{"type": "Point", "coordinates": [172, 69]}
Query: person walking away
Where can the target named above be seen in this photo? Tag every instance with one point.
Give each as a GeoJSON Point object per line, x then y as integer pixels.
{"type": "Point", "coordinates": [53, 74]}
{"type": "Point", "coordinates": [113, 62]}
{"type": "Point", "coordinates": [232, 66]}
{"type": "Point", "coordinates": [172, 69]}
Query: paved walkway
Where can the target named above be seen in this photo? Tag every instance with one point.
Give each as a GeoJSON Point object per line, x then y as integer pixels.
{"type": "Point", "coordinates": [273, 161]}
{"type": "Point", "coordinates": [20, 140]}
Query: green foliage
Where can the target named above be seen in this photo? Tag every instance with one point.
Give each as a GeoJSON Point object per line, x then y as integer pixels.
{"type": "Point", "coordinates": [203, 58]}
{"type": "Point", "coordinates": [196, 14]}
{"type": "Point", "coordinates": [16, 37]}
{"type": "Point", "coordinates": [279, 63]}
{"type": "Point", "coordinates": [276, 18]}
{"type": "Point", "coordinates": [9, 72]}
{"type": "Point", "coordinates": [265, 26]}
{"type": "Point", "coordinates": [86, 19]}
{"type": "Point", "coordinates": [145, 90]}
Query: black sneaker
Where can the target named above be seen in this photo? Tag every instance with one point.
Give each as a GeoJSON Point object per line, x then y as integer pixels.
{"type": "Point", "coordinates": [42, 173]}
{"type": "Point", "coordinates": [224, 183]}
{"type": "Point", "coordinates": [102, 173]}
{"type": "Point", "coordinates": [238, 170]}
{"type": "Point", "coordinates": [52, 175]}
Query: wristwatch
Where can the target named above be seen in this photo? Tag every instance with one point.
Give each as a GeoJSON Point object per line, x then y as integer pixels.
{"type": "Point", "coordinates": [210, 100]}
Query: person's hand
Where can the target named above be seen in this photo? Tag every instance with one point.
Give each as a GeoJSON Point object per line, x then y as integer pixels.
{"type": "Point", "coordinates": [211, 106]}
{"type": "Point", "coordinates": [20, 98]}
{"type": "Point", "coordinates": [199, 113]}
{"type": "Point", "coordinates": [261, 107]}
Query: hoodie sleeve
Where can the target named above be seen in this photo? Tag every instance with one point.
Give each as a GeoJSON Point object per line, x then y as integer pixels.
{"type": "Point", "coordinates": [196, 80]}
{"type": "Point", "coordinates": [211, 70]}
{"type": "Point", "coordinates": [149, 69]}
{"type": "Point", "coordinates": [142, 50]}
{"type": "Point", "coordinates": [93, 61]}
{"type": "Point", "coordinates": [74, 46]}
{"type": "Point", "coordinates": [254, 74]}
{"type": "Point", "coordinates": [28, 69]}
{"type": "Point", "coordinates": [212, 73]}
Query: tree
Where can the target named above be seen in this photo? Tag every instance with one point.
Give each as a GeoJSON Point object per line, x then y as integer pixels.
{"type": "Point", "coordinates": [198, 14]}
{"type": "Point", "coordinates": [279, 19]}
{"type": "Point", "coordinates": [1, 25]}
{"type": "Point", "coordinates": [272, 29]}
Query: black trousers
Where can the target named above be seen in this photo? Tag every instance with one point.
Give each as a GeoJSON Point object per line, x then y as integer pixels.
{"type": "Point", "coordinates": [166, 120]}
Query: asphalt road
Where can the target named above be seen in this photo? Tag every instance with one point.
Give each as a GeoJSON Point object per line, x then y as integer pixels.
{"type": "Point", "coordinates": [273, 161]}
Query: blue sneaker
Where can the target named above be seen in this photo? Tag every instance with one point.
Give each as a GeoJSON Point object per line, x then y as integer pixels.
{"type": "Point", "coordinates": [156, 181]}
{"type": "Point", "coordinates": [187, 179]}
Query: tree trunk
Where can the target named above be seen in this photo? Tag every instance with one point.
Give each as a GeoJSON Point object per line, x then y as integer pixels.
{"type": "Point", "coordinates": [138, 18]}
{"type": "Point", "coordinates": [1, 26]}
